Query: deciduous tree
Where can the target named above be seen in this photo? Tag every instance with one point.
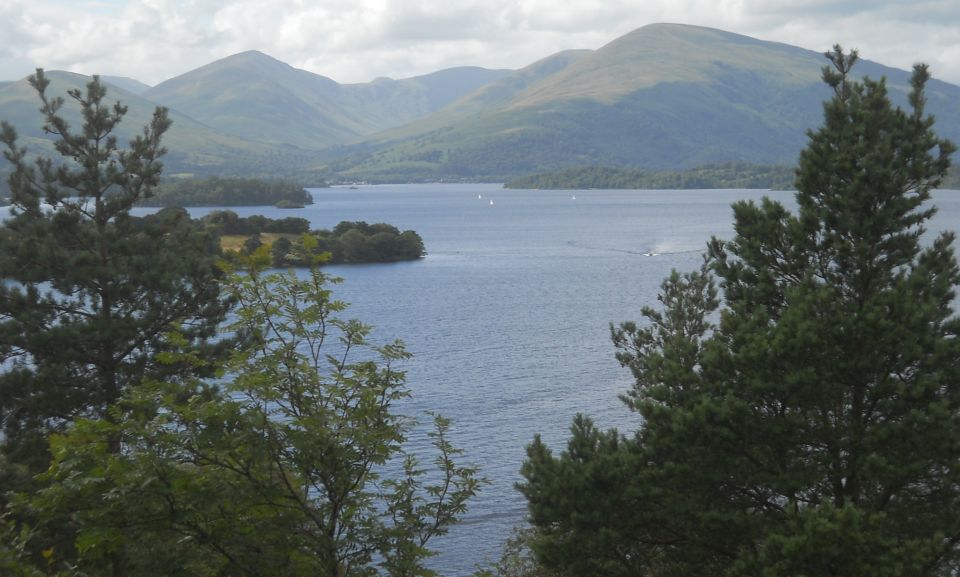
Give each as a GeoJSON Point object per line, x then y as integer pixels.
{"type": "Point", "coordinates": [296, 466]}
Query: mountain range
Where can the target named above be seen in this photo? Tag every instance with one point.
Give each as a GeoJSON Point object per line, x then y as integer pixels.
{"type": "Point", "coordinates": [665, 96]}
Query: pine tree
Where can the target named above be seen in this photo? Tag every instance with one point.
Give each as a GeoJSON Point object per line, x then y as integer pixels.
{"type": "Point", "coordinates": [88, 289]}
{"type": "Point", "coordinates": [807, 423]}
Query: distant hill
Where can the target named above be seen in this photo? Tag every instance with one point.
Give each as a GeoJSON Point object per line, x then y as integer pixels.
{"type": "Point", "coordinates": [666, 96]}
{"type": "Point", "coordinates": [259, 98]}
{"type": "Point", "coordinates": [491, 96]}
{"type": "Point", "coordinates": [251, 115]}
{"type": "Point", "coordinates": [193, 147]}
{"type": "Point", "coordinates": [128, 84]}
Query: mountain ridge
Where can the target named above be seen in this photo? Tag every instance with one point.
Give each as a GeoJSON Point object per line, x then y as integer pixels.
{"type": "Point", "coordinates": [662, 97]}
{"type": "Point", "coordinates": [590, 77]}
{"type": "Point", "coordinates": [258, 97]}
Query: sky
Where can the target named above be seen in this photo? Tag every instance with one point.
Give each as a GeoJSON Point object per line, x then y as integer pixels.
{"type": "Point", "coordinates": [359, 40]}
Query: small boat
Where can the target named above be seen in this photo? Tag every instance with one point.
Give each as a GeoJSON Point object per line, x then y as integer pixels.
{"type": "Point", "coordinates": [491, 203]}
{"type": "Point", "coordinates": [479, 196]}
{"type": "Point", "coordinates": [574, 197]}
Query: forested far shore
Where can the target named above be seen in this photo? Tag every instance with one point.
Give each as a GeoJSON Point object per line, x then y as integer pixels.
{"type": "Point", "coordinates": [730, 175]}
{"type": "Point", "coordinates": [229, 191]}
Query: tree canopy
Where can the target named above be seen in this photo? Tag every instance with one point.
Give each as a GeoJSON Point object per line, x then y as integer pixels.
{"type": "Point", "coordinates": [799, 395]}
{"type": "Point", "coordinates": [89, 290]}
{"type": "Point", "coordinates": [294, 464]}
{"type": "Point", "coordinates": [227, 191]}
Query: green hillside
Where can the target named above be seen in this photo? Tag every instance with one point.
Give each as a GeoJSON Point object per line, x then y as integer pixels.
{"type": "Point", "coordinates": [193, 147]}
{"type": "Point", "coordinates": [259, 98]}
{"type": "Point", "coordinates": [670, 53]}
{"type": "Point", "coordinates": [129, 84]}
{"type": "Point", "coordinates": [495, 94]}
{"type": "Point", "coordinates": [254, 96]}
{"type": "Point", "coordinates": [664, 97]}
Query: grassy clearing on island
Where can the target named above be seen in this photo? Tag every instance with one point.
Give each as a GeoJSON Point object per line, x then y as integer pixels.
{"type": "Point", "coordinates": [235, 241]}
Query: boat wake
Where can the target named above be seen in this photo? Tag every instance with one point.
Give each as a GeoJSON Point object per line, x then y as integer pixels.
{"type": "Point", "coordinates": [659, 250]}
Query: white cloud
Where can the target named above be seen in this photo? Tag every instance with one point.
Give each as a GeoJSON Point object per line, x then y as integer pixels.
{"type": "Point", "coordinates": [357, 40]}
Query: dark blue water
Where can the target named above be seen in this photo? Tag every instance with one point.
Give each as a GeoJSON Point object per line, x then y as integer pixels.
{"type": "Point", "coordinates": [508, 316]}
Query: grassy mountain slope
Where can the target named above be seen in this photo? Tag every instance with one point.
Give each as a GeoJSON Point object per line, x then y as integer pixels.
{"type": "Point", "coordinates": [493, 95]}
{"type": "Point", "coordinates": [674, 53]}
{"type": "Point", "coordinates": [255, 96]}
{"type": "Point", "coordinates": [193, 147]}
{"type": "Point", "coordinates": [129, 84]}
{"type": "Point", "coordinates": [425, 94]}
{"type": "Point", "coordinates": [260, 98]}
{"type": "Point", "coordinates": [665, 96]}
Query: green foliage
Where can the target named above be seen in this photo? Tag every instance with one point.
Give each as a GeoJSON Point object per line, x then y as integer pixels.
{"type": "Point", "coordinates": [16, 559]}
{"type": "Point", "coordinates": [348, 242]}
{"type": "Point", "coordinates": [218, 191]}
{"type": "Point", "coordinates": [251, 244]}
{"type": "Point", "coordinates": [279, 251]}
{"type": "Point", "coordinates": [171, 456]}
{"type": "Point", "coordinates": [89, 290]}
{"type": "Point", "coordinates": [294, 465]}
{"type": "Point", "coordinates": [731, 175]}
{"type": "Point", "coordinates": [358, 242]}
{"type": "Point", "coordinates": [517, 559]}
{"type": "Point", "coordinates": [227, 222]}
{"type": "Point", "coordinates": [88, 293]}
{"type": "Point", "coordinates": [809, 422]}
{"type": "Point", "coordinates": [847, 541]}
